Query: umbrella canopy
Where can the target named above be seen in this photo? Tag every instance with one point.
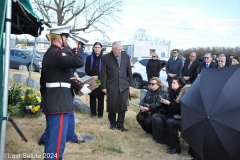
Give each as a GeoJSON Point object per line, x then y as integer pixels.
{"type": "Point", "coordinates": [24, 20]}
{"type": "Point", "coordinates": [211, 114]}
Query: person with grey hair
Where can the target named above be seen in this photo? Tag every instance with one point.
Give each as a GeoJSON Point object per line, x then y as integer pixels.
{"type": "Point", "coordinates": [116, 81]}
{"type": "Point", "coordinates": [224, 60]}
{"type": "Point", "coordinates": [207, 63]}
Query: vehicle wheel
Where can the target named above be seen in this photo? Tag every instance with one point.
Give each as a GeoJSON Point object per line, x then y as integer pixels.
{"type": "Point", "coordinates": [34, 68]}
{"type": "Point", "coordinates": [137, 82]}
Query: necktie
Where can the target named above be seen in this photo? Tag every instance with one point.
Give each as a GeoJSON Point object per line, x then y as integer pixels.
{"type": "Point", "coordinates": [207, 65]}
{"type": "Point", "coordinates": [174, 58]}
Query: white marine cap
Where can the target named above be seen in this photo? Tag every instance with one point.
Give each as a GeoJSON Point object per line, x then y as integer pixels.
{"type": "Point", "coordinates": [60, 29]}
{"type": "Point", "coordinates": [79, 39]}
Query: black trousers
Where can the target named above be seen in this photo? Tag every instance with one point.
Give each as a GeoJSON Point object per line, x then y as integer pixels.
{"type": "Point", "coordinates": [93, 104]}
{"type": "Point", "coordinates": [145, 121]}
{"type": "Point", "coordinates": [159, 128]}
{"type": "Point", "coordinates": [173, 126]}
{"type": "Point", "coordinates": [120, 119]}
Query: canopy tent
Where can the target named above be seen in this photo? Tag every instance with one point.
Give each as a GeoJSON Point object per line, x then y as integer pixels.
{"type": "Point", "coordinates": [24, 20]}
{"type": "Point", "coordinates": [20, 19]}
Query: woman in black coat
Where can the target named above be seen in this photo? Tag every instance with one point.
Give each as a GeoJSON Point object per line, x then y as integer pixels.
{"type": "Point", "coordinates": [150, 104]}
{"type": "Point", "coordinates": [159, 121]}
{"type": "Point", "coordinates": [93, 68]}
{"type": "Point", "coordinates": [173, 124]}
{"type": "Point", "coordinates": [153, 67]}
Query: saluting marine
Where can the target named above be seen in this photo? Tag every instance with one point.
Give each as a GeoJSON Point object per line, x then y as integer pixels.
{"type": "Point", "coordinates": [57, 101]}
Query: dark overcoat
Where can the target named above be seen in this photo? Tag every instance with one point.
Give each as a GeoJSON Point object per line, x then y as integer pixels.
{"type": "Point", "coordinates": [93, 67]}
{"type": "Point", "coordinates": [57, 66]}
{"type": "Point", "coordinates": [117, 81]}
{"type": "Point", "coordinates": [153, 68]}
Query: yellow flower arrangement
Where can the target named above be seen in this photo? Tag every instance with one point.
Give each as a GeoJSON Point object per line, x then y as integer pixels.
{"type": "Point", "coordinates": [31, 102]}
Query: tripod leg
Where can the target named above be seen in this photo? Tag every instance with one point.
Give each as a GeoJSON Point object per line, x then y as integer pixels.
{"type": "Point", "coordinates": [16, 127]}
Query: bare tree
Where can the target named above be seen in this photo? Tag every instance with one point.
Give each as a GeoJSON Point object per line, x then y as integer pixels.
{"type": "Point", "coordinates": [85, 15]}
{"type": "Point", "coordinates": [159, 41]}
{"type": "Point", "coordinates": [141, 35]}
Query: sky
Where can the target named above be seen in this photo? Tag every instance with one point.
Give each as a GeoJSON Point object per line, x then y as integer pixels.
{"type": "Point", "coordinates": [185, 23]}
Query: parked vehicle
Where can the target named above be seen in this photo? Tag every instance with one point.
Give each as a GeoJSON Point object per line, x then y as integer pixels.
{"type": "Point", "coordinates": [24, 57]}
{"type": "Point", "coordinates": [139, 71]}
{"type": "Point", "coordinates": [81, 71]}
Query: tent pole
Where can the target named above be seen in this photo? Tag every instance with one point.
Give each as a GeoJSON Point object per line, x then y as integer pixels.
{"type": "Point", "coordinates": [31, 70]}
{"type": "Point", "coordinates": [5, 78]}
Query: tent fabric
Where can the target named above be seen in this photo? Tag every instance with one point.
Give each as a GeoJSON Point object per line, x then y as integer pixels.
{"type": "Point", "coordinates": [3, 4]}
{"type": "Point", "coordinates": [24, 20]}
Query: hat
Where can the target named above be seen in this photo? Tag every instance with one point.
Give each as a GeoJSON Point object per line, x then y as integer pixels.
{"type": "Point", "coordinates": [79, 39]}
{"type": "Point", "coordinates": [60, 29]}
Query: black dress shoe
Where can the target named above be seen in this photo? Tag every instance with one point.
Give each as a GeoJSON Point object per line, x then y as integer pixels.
{"type": "Point", "coordinates": [123, 129]}
{"type": "Point", "coordinates": [169, 148]}
{"type": "Point", "coordinates": [173, 151]}
{"type": "Point", "coordinates": [99, 116]}
{"type": "Point", "coordinates": [112, 127]}
{"type": "Point", "coordinates": [80, 141]}
{"type": "Point", "coordinates": [40, 143]}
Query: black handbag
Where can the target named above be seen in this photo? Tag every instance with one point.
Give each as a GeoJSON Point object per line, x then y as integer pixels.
{"type": "Point", "coordinates": [177, 116]}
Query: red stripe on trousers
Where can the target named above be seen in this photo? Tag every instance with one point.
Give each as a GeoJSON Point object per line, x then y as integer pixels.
{"type": "Point", "coordinates": [59, 135]}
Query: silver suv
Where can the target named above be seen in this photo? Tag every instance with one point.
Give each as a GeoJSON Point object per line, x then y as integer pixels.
{"type": "Point", "coordinates": [139, 71]}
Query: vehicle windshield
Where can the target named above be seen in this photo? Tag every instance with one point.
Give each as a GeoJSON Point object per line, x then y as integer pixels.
{"type": "Point", "coordinates": [29, 54]}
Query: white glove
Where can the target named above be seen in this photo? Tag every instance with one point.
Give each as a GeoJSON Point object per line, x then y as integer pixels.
{"type": "Point", "coordinates": [85, 90]}
{"type": "Point", "coordinates": [71, 43]}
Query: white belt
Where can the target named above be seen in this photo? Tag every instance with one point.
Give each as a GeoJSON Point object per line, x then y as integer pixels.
{"type": "Point", "coordinates": [58, 84]}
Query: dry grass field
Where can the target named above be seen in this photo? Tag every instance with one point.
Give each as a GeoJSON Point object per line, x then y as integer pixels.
{"type": "Point", "coordinates": [109, 144]}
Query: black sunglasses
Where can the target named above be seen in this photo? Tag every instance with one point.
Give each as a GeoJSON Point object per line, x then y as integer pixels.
{"type": "Point", "coordinates": [152, 84]}
{"type": "Point", "coordinates": [154, 56]}
{"type": "Point", "coordinates": [206, 57]}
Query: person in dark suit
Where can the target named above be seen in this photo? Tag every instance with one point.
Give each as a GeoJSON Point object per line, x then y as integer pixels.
{"type": "Point", "coordinates": [153, 67]}
{"type": "Point", "coordinates": [93, 68]}
{"type": "Point", "coordinates": [117, 82]}
{"type": "Point", "coordinates": [174, 67]}
{"type": "Point", "coordinates": [207, 63]}
{"type": "Point", "coordinates": [189, 71]}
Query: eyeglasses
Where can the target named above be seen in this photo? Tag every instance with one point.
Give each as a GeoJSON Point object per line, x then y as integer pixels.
{"type": "Point", "coordinates": [206, 57]}
{"type": "Point", "coordinates": [154, 56]}
{"type": "Point", "coordinates": [152, 84]}
{"type": "Point", "coordinates": [174, 52]}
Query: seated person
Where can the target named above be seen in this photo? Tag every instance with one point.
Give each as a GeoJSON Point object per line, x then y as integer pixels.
{"type": "Point", "coordinates": [173, 124]}
{"type": "Point", "coordinates": [159, 120]}
{"type": "Point", "coordinates": [151, 104]}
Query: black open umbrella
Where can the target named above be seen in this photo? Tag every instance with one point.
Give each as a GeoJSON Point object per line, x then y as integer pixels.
{"type": "Point", "coordinates": [210, 112]}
